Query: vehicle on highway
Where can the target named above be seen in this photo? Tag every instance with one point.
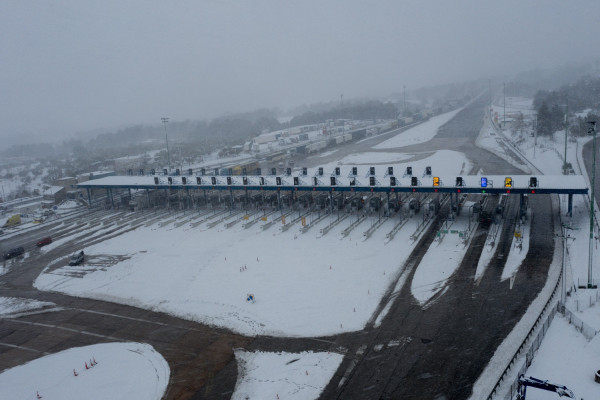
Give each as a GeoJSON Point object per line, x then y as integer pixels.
{"type": "Point", "coordinates": [44, 241]}
{"type": "Point", "coordinates": [485, 217]}
{"type": "Point", "coordinates": [17, 251]}
{"type": "Point", "coordinates": [76, 258]}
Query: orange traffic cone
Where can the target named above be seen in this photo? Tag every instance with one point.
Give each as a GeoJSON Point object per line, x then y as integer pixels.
{"type": "Point", "coordinates": [86, 366]}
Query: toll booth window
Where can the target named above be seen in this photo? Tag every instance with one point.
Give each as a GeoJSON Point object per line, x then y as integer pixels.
{"type": "Point", "coordinates": [533, 182]}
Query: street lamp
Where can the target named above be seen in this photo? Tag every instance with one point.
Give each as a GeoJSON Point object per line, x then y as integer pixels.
{"type": "Point", "coordinates": [592, 130]}
{"type": "Point", "coordinates": [164, 121]}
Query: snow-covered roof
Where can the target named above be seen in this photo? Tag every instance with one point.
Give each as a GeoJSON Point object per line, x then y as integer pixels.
{"type": "Point", "coordinates": [52, 190]}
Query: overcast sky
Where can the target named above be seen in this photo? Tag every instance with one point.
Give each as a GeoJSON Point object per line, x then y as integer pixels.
{"type": "Point", "coordinates": [69, 66]}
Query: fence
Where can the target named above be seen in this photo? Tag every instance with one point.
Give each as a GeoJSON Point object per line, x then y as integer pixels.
{"type": "Point", "coordinates": [535, 345]}
{"type": "Point", "coordinates": [581, 326]}
{"type": "Point", "coordinates": [584, 303]}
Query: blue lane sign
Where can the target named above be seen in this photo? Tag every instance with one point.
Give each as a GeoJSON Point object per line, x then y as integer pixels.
{"type": "Point", "coordinates": [483, 182]}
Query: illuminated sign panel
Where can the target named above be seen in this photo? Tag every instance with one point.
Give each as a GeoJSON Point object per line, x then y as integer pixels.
{"type": "Point", "coordinates": [484, 182]}
{"type": "Point", "coordinates": [436, 181]}
{"type": "Point", "coordinates": [508, 182]}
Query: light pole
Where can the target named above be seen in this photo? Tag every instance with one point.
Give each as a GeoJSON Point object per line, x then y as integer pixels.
{"type": "Point", "coordinates": [164, 121]}
{"type": "Point", "coordinates": [565, 236]}
{"type": "Point", "coordinates": [565, 171]}
{"type": "Point", "coordinates": [592, 130]}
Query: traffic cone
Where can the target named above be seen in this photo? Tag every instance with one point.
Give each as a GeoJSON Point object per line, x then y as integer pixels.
{"type": "Point", "coordinates": [75, 372]}
{"type": "Point", "coordinates": [38, 395]}
{"type": "Point", "coordinates": [94, 358]}
{"type": "Point", "coordinates": [86, 366]}
{"type": "Point", "coordinates": [306, 372]}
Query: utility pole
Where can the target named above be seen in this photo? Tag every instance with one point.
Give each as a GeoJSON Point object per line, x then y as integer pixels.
{"type": "Point", "coordinates": [164, 121]}
{"type": "Point", "coordinates": [490, 82]}
{"type": "Point", "coordinates": [404, 106]}
{"type": "Point", "coordinates": [504, 117]}
{"type": "Point", "coordinates": [565, 236]}
{"type": "Point", "coordinates": [565, 170]}
{"type": "Point", "coordinates": [592, 130]}
{"type": "Point", "coordinates": [534, 135]}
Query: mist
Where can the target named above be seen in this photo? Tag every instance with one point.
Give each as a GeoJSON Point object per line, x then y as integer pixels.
{"type": "Point", "coordinates": [74, 66]}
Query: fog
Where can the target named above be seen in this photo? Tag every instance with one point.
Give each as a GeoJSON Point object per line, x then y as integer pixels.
{"type": "Point", "coordinates": [72, 66]}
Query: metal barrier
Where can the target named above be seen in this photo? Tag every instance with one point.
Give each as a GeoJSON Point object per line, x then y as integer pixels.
{"type": "Point", "coordinates": [585, 329]}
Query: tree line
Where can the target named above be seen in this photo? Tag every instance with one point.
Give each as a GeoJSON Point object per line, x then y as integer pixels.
{"type": "Point", "coordinates": [580, 97]}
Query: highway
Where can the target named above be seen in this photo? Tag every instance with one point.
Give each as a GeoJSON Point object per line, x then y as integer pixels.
{"type": "Point", "coordinates": [434, 352]}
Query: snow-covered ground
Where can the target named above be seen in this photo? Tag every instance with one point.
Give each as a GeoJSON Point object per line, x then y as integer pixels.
{"type": "Point", "coordinates": [566, 358]}
{"type": "Point", "coordinates": [293, 376]}
{"type": "Point", "coordinates": [303, 284]}
{"type": "Point", "coordinates": [100, 371]}
{"type": "Point", "coordinates": [419, 134]}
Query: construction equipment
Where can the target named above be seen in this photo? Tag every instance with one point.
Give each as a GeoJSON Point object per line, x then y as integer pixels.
{"type": "Point", "coordinates": [540, 384]}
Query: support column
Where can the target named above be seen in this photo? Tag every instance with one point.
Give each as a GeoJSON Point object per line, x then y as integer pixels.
{"type": "Point", "coordinates": [112, 199]}
{"type": "Point", "coordinates": [89, 198]}
{"type": "Point", "coordinates": [570, 205]}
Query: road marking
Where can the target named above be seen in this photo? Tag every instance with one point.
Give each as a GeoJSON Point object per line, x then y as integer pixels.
{"type": "Point", "coordinates": [63, 328]}
{"type": "Point", "coordinates": [24, 348]}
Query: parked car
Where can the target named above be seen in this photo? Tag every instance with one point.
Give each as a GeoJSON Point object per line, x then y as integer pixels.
{"type": "Point", "coordinates": [76, 258]}
{"type": "Point", "coordinates": [44, 241]}
{"type": "Point", "coordinates": [17, 251]}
